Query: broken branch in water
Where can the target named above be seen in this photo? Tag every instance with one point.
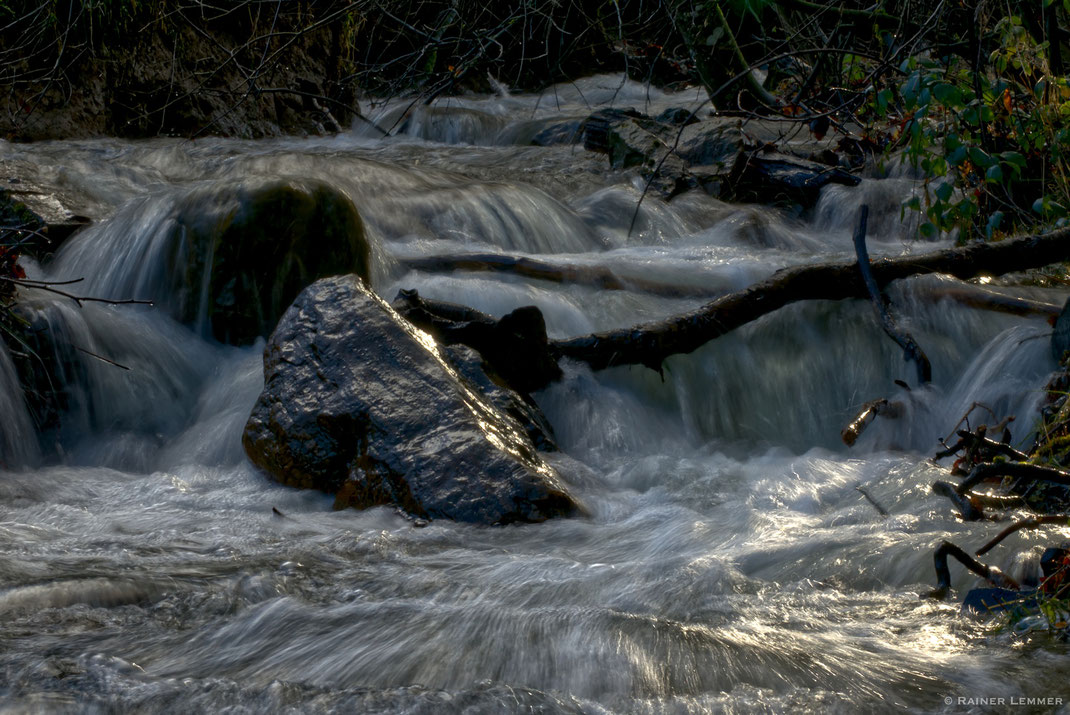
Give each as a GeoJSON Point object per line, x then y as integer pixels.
{"type": "Point", "coordinates": [967, 509]}
{"type": "Point", "coordinates": [943, 575]}
{"type": "Point", "coordinates": [911, 349]}
{"type": "Point", "coordinates": [1030, 523]}
{"type": "Point", "coordinates": [1015, 470]}
{"type": "Point", "coordinates": [870, 411]}
{"type": "Point", "coordinates": [876, 505]}
{"type": "Point", "coordinates": [970, 505]}
{"type": "Point", "coordinates": [101, 358]}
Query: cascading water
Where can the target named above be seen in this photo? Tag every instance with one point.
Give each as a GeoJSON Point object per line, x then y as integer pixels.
{"type": "Point", "coordinates": [18, 440]}
{"type": "Point", "coordinates": [728, 562]}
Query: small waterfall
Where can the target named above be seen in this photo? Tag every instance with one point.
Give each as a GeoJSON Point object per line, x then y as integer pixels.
{"type": "Point", "coordinates": [443, 124]}
{"type": "Point", "coordinates": [728, 563]}
{"type": "Point", "coordinates": [121, 378]}
{"type": "Point", "coordinates": [18, 438]}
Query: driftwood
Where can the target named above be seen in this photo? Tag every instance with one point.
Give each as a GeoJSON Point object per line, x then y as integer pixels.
{"type": "Point", "coordinates": [869, 497]}
{"type": "Point", "coordinates": [650, 344]}
{"type": "Point", "coordinates": [911, 349]}
{"type": "Point", "coordinates": [870, 411]}
{"type": "Point", "coordinates": [971, 505]}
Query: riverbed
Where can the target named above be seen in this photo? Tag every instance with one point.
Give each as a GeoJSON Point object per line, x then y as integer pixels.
{"type": "Point", "coordinates": [728, 564]}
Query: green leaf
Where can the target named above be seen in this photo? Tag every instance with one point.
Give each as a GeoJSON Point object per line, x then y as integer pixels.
{"type": "Point", "coordinates": [910, 89]}
{"type": "Point", "coordinates": [947, 94]}
{"type": "Point", "coordinates": [944, 191]}
{"type": "Point", "coordinates": [1013, 158]}
{"type": "Point", "coordinates": [927, 229]}
{"type": "Point", "coordinates": [885, 96]}
{"type": "Point", "coordinates": [958, 156]}
{"type": "Point", "coordinates": [993, 223]}
{"type": "Point", "coordinates": [980, 158]}
{"type": "Point", "coordinates": [994, 174]}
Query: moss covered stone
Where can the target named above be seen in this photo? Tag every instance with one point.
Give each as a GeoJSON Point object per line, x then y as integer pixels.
{"type": "Point", "coordinates": [245, 260]}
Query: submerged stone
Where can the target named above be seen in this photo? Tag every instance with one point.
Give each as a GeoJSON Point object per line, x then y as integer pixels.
{"type": "Point", "coordinates": [359, 403]}
{"type": "Point", "coordinates": [245, 254]}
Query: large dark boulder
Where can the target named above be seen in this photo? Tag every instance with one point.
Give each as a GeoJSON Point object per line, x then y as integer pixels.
{"type": "Point", "coordinates": [259, 245]}
{"type": "Point", "coordinates": [359, 403]}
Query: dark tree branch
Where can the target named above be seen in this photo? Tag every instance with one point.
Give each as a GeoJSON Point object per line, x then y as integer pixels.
{"type": "Point", "coordinates": [911, 349]}
{"type": "Point", "coordinates": [1030, 523]}
{"type": "Point", "coordinates": [943, 575]}
{"type": "Point", "coordinates": [650, 343]}
{"type": "Point", "coordinates": [1015, 470]}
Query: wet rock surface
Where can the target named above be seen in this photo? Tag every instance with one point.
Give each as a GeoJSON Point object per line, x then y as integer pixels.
{"type": "Point", "coordinates": [359, 403]}
{"type": "Point", "coordinates": [756, 160]}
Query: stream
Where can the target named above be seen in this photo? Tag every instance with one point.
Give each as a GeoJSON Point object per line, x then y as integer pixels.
{"type": "Point", "coordinates": [728, 563]}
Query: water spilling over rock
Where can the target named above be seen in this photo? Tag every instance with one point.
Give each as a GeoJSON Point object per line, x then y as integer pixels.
{"type": "Point", "coordinates": [728, 562]}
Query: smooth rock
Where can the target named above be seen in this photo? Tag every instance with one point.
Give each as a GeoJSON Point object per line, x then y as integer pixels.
{"type": "Point", "coordinates": [259, 246]}
{"type": "Point", "coordinates": [359, 403]}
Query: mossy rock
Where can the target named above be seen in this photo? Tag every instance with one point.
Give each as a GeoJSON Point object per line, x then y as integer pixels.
{"type": "Point", "coordinates": [258, 247]}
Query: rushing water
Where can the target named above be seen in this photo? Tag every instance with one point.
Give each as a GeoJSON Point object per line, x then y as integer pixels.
{"type": "Point", "coordinates": [729, 564]}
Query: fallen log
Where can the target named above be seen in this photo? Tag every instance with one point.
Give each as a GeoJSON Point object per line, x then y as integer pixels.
{"type": "Point", "coordinates": [594, 276]}
{"type": "Point", "coordinates": [604, 278]}
{"type": "Point", "coordinates": [984, 299]}
{"type": "Point", "coordinates": [650, 344]}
